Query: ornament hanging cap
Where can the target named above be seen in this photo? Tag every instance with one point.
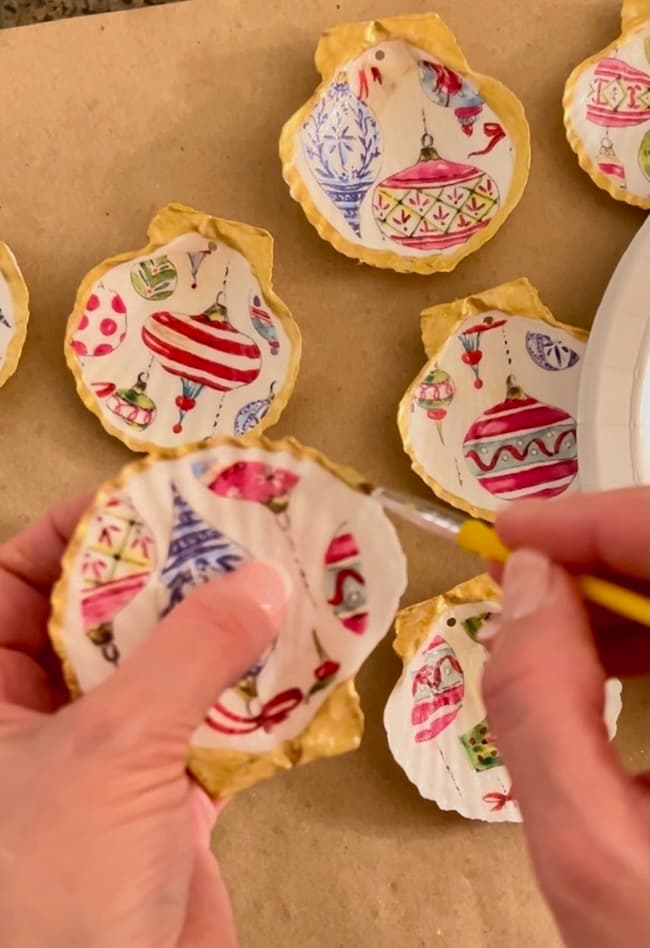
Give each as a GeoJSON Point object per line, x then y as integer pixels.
{"type": "Point", "coordinates": [515, 391]}
{"type": "Point", "coordinates": [428, 151]}
{"type": "Point", "coordinates": [218, 312]}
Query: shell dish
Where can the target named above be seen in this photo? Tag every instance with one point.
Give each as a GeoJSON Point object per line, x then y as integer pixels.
{"type": "Point", "coordinates": [435, 717]}
{"type": "Point", "coordinates": [491, 416]}
{"type": "Point", "coordinates": [607, 110]}
{"type": "Point", "coordinates": [177, 523]}
{"type": "Point", "coordinates": [14, 313]}
{"type": "Point", "coordinates": [184, 340]}
{"type": "Point", "coordinates": [404, 158]}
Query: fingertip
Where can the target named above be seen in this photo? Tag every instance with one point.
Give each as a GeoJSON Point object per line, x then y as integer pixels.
{"type": "Point", "coordinates": [270, 585]}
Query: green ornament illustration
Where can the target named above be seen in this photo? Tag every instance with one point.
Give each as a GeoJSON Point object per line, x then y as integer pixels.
{"type": "Point", "coordinates": [644, 155]}
{"type": "Point", "coordinates": [154, 279]}
{"type": "Point", "coordinates": [480, 747]}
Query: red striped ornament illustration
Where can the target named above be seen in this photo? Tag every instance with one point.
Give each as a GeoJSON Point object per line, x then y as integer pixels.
{"type": "Point", "coordinates": [205, 350]}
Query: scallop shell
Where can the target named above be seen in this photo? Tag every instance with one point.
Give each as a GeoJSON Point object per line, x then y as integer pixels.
{"type": "Point", "coordinates": [607, 110]}
{"type": "Point", "coordinates": [405, 158]}
{"type": "Point", "coordinates": [435, 718]}
{"type": "Point", "coordinates": [483, 422]}
{"type": "Point", "coordinates": [14, 313]}
{"type": "Point", "coordinates": [204, 512]}
{"type": "Point", "coordinates": [185, 339]}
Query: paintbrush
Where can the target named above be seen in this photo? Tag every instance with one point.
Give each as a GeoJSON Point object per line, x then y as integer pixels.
{"type": "Point", "coordinates": [477, 536]}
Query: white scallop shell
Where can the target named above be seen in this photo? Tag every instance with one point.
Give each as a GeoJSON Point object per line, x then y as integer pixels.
{"type": "Point", "coordinates": [429, 728]}
{"type": "Point", "coordinates": [207, 513]}
{"type": "Point", "coordinates": [175, 344]}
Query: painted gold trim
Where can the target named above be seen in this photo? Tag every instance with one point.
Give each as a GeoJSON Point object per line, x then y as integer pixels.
{"type": "Point", "coordinates": [634, 13]}
{"type": "Point", "coordinates": [336, 728]}
{"type": "Point", "coordinates": [428, 32]}
{"type": "Point", "coordinates": [20, 299]}
{"type": "Point", "coordinates": [413, 624]}
{"type": "Point", "coordinates": [634, 16]}
{"type": "Point", "coordinates": [439, 324]}
{"type": "Point", "coordinates": [255, 244]}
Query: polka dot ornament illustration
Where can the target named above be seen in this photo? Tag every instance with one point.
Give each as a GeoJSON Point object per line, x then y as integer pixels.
{"type": "Point", "coordinates": [102, 326]}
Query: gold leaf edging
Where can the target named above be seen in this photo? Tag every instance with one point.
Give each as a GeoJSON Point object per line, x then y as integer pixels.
{"type": "Point", "coordinates": [429, 32]}
{"type": "Point", "coordinates": [338, 725]}
{"type": "Point", "coordinates": [172, 221]}
{"type": "Point", "coordinates": [413, 624]}
{"type": "Point", "coordinates": [439, 324]}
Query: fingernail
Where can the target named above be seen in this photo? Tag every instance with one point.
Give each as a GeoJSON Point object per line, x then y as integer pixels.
{"type": "Point", "coordinates": [526, 584]}
{"type": "Point", "coordinates": [271, 584]}
{"type": "Point", "coordinates": [489, 631]}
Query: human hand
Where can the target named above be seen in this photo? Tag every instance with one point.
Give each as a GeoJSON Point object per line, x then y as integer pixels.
{"type": "Point", "coordinates": [104, 838]}
{"type": "Point", "coordinates": [586, 821]}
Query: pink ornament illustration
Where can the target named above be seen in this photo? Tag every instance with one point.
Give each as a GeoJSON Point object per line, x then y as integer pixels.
{"type": "Point", "coordinates": [620, 95]}
{"type": "Point", "coordinates": [346, 585]}
{"type": "Point", "coordinates": [256, 481]}
{"type": "Point", "coordinates": [117, 561]}
{"type": "Point", "coordinates": [470, 340]}
{"type": "Point", "coordinates": [259, 483]}
{"type": "Point", "coordinates": [435, 204]}
{"type": "Point", "coordinates": [102, 326]}
{"type": "Point", "coordinates": [438, 691]}
{"type": "Point", "coordinates": [522, 447]}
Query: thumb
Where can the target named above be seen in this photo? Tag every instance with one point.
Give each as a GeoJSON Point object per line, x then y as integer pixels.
{"type": "Point", "coordinates": [544, 689]}
{"type": "Point", "coordinates": [196, 653]}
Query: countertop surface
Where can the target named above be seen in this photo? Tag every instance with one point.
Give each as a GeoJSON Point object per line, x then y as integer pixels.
{"type": "Point", "coordinates": [184, 102]}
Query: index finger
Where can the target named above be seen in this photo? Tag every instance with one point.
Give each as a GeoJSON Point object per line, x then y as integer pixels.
{"type": "Point", "coordinates": [29, 565]}
{"type": "Point", "coordinates": [608, 530]}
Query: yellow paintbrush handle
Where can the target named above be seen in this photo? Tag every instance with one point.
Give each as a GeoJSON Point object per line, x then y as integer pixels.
{"type": "Point", "coordinates": [477, 537]}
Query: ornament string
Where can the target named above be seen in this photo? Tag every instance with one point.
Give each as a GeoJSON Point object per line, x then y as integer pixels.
{"type": "Point", "coordinates": [283, 521]}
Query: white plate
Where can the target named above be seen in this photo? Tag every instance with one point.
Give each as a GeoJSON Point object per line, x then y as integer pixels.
{"type": "Point", "coordinates": [614, 402]}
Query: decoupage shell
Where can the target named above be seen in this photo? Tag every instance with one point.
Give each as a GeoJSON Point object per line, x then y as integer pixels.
{"type": "Point", "coordinates": [14, 313]}
{"type": "Point", "coordinates": [435, 718]}
{"type": "Point", "coordinates": [184, 340]}
{"type": "Point", "coordinates": [405, 158]}
{"type": "Point", "coordinates": [607, 110]}
{"type": "Point", "coordinates": [176, 523]}
{"type": "Point", "coordinates": [491, 416]}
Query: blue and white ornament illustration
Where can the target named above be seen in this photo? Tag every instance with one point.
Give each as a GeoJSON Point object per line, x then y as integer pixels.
{"type": "Point", "coordinates": [342, 145]}
{"type": "Point", "coordinates": [263, 323]}
{"type": "Point", "coordinates": [197, 553]}
{"type": "Point", "coordinates": [550, 354]}
{"type": "Point", "coordinates": [4, 321]}
{"type": "Point", "coordinates": [196, 259]}
{"type": "Point", "coordinates": [249, 416]}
